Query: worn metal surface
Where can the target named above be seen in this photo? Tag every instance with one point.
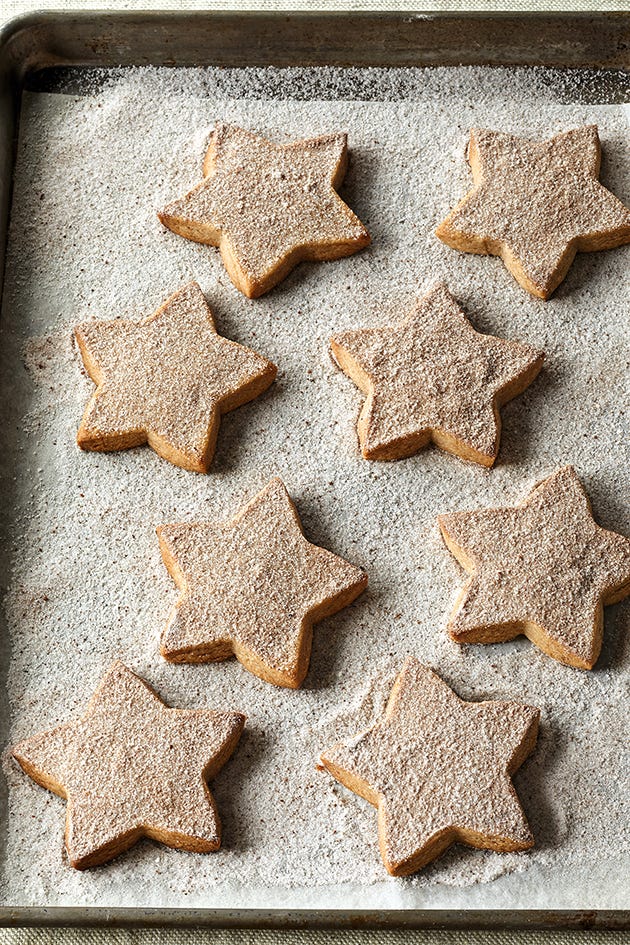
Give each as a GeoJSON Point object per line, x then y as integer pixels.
{"type": "Point", "coordinates": [39, 42]}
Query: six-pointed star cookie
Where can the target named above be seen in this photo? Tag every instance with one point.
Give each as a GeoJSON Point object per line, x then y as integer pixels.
{"type": "Point", "coordinates": [438, 770]}
{"type": "Point", "coordinates": [535, 204]}
{"type": "Point", "coordinates": [544, 568]}
{"type": "Point", "coordinates": [131, 767]}
{"type": "Point", "coordinates": [433, 377]}
{"type": "Point", "coordinates": [268, 207]}
{"type": "Point", "coordinates": [166, 381]}
{"type": "Point", "coordinates": [253, 587]}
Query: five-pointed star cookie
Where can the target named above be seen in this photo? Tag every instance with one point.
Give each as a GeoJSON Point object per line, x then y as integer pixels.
{"type": "Point", "coordinates": [253, 587]}
{"type": "Point", "coordinates": [543, 568]}
{"type": "Point", "coordinates": [535, 204]}
{"type": "Point", "coordinates": [131, 767]}
{"type": "Point", "coordinates": [438, 770]}
{"type": "Point", "coordinates": [434, 378]}
{"type": "Point", "coordinates": [166, 381]}
{"type": "Point", "coordinates": [268, 207]}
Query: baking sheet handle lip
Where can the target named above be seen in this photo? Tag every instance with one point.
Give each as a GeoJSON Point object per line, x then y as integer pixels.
{"type": "Point", "coordinates": [36, 28]}
{"type": "Point", "coordinates": [58, 916]}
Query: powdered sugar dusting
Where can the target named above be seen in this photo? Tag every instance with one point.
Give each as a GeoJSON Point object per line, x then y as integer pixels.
{"type": "Point", "coordinates": [253, 586]}
{"type": "Point", "coordinates": [86, 583]}
{"type": "Point", "coordinates": [452, 758]}
{"type": "Point", "coordinates": [433, 372]}
{"type": "Point", "coordinates": [268, 201]}
{"type": "Point", "coordinates": [166, 377]}
{"type": "Point", "coordinates": [130, 766]}
{"type": "Point", "coordinates": [535, 200]}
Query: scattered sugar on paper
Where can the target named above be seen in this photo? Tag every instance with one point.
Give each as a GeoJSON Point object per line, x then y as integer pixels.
{"type": "Point", "coordinates": [85, 579]}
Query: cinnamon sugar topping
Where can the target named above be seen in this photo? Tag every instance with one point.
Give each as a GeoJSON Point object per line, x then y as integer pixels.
{"type": "Point", "coordinates": [438, 769]}
{"type": "Point", "coordinates": [253, 586]}
{"type": "Point", "coordinates": [535, 204]}
{"type": "Point", "coordinates": [268, 206]}
{"type": "Point", "coordinates": [433, 377]}
{"type": "Point", "coordinates": [543, 568]}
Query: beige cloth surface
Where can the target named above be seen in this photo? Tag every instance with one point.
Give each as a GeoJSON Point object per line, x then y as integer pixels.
{"type": "Point", "coordinates": [11, 8]}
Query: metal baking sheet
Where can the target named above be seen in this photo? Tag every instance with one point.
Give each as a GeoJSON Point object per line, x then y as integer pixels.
{"type": "Point", "coordinates": [52, 51]}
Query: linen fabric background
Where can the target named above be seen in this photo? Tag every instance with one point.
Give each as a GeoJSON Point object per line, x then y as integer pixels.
{"type": "Point", "coordinates": [301, 937]}
{"type": "Point", "coordinates": [12, 8]}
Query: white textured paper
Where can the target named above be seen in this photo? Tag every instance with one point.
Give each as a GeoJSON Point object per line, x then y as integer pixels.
{"type": "Point", "coordinates": [86, 579]}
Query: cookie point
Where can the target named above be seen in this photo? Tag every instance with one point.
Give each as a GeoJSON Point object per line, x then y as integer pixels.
{"type": "Point", "coordinates": [276, 484]}
{"type": "Point", "coordinates": [17, 752]}
{"type": "Point", "coordinates": [440, 230]}
{"type": "Point", "coordinates": [459, 636]}
{"type": "Point", "coordinates": [117, 668]}
{"type": "Point", "coordinates": [250, 290]}
{"type": "Point", "coordinates": [534, 713]}
{"type": "Point", "coordinates": [443, 522]}
{"type": "Point", "coordinates": [172, 654]}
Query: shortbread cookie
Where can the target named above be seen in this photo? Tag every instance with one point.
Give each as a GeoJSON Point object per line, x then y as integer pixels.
{"type": "Point", "coordinates": [543, 568]}
{"type": "Point", "coordinates": [131, 768]}
{"type": "Point", "coordinates": [535, 204]}
{"type": "Point", "coordinates": [253, 587]}
{"type": "Point", "coordinates": [438, 770]}
{"type": "Point", "coordinates": [432, 377]}
{"type": "Point", "coordinates": [166, 381]}
{"type": "Point", "coordinates": [268, 207]}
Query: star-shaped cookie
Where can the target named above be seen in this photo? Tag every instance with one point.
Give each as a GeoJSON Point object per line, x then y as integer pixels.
{"type": "Point", "coordinates": [432, 377]}
{"type": "Point", "coordinates": [131, 767]}
{"type": "Point", "coordinates": [166, 381]}
{"type": "Point", "coordinates": [543, 568]}
{"type": "Point", "coordinates": [438, 770]}
{"type": "Point", "coordinates": [253, 587]}
{"type": "Point", "coordinates": [535, 204]}
{"type": "Point", "coordinates": [268, 207]}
